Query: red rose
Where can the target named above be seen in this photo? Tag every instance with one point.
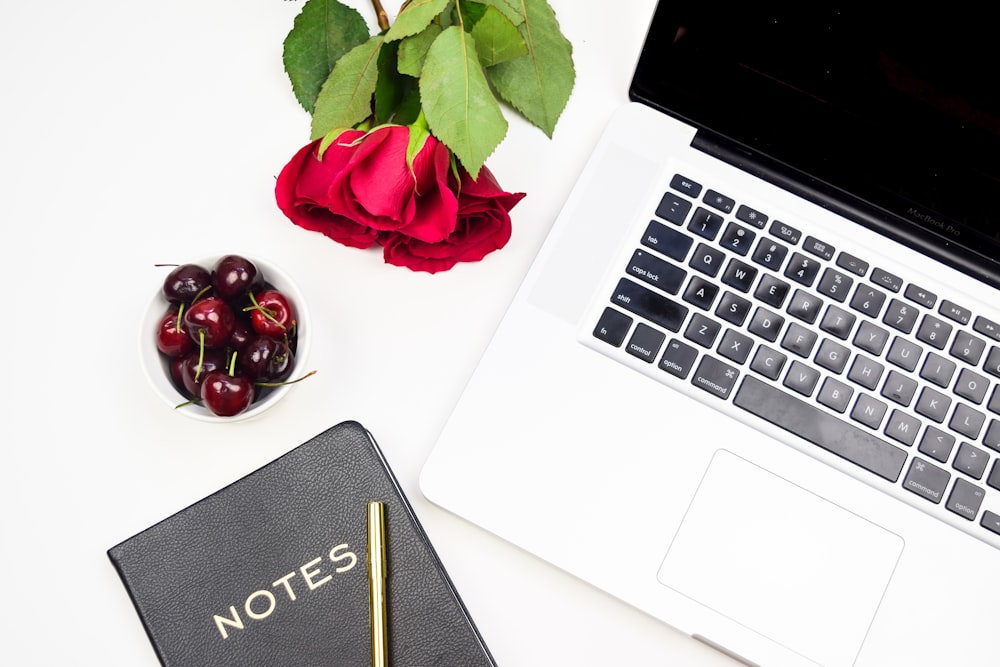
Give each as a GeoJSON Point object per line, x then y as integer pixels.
{"type": "Point", "coordinates": [365, 185]}
{"type": "Point", "coordinates": [303, 192]}
{"type": "Point", "coordinates": [483, 226]}
{"type": "Point", "coordinates": [363, 191]}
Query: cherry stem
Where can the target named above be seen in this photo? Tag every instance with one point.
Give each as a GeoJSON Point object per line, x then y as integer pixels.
{"type": "Point", "coordinates": [383, 18]}
{"type": "Point", "coordinates": [201, 354]}
{"type": "Point", "coordinates": [281, 384]}
{"type": "Point", "coordinates": [232, 366]}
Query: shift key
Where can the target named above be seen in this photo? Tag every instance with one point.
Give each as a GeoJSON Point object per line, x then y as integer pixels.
{"type": "Point", "coordinates": [648, 304]}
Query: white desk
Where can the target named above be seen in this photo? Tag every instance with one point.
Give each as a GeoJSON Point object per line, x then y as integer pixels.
{"type": "Point", "coordinates": [141, 132]}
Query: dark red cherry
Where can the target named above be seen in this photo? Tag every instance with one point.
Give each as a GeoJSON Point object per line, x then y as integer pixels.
{"type": "Point", "coordinates": [243, 333]}
{"type": "Point", "coordinates": [233, 276]}
{"type": "Point", "coordinates": [172, 337]}
{"type": "Point", "coordinates": [196, 366]}
{"type": "Point", "coordinates": [185, 282]}
{"type": "Point", "coordinates": [226, 395]}
{"type": "Point", "coordinates": [210, 321]}
{"type": "Point", "coordinates": [273, 314]}
{"type": "Point", "coordinates": [266, 359]}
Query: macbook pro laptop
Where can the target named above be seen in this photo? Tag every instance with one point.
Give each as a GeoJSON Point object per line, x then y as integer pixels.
{"type": "Point", "coordinates": [760, 348]}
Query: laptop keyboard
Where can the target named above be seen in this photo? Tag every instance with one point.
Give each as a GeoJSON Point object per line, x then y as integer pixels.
{"type": "Point", "coordinates": [857, 360]}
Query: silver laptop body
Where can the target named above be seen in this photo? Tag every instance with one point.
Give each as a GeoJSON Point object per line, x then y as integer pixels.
{"type": "Point", "coordinates": [771, 384]}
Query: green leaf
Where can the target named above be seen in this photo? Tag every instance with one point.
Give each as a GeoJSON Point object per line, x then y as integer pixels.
{"type": "Point", "coordinates": [459, 106]}
{"type": "Point", "coordinates": [391, 87]}
{"type": "Point", "coordinates": [346, 98]}
{"type": "Point", "coordinates": [539, 84]}
{"type": "Point", "coordinates": [509, 8]}
{"type": "Point", "coordinates": [416, 16]}
{"type": "Point", "coordinates": [413, 50]}
{"type": "Point", "coordinates": [322, 33]}
{"type": "Point", "coordinates": [497, 39]}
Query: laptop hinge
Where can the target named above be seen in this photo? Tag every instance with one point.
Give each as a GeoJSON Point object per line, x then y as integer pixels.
{"type": "Point", "coordinates": [885, 222]}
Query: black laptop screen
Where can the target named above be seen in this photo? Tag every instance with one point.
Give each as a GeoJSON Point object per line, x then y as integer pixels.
{"type": "Point", "coordinates": [903, 111]}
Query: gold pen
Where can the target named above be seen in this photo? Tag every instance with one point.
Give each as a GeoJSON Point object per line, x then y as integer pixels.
{"type": "Point", "coordinates": [377, 573]}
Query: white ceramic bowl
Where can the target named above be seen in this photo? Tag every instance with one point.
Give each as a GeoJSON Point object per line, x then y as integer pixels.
{"type": "Point", "coordinates": [156, 365]}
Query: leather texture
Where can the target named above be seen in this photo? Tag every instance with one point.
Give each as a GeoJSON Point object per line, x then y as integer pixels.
{"type": "Point", "coordinates": [251, 549]}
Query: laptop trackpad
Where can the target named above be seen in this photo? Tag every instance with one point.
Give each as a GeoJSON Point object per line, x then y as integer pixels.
{"type": "Point", "coordinates": [781, 561]}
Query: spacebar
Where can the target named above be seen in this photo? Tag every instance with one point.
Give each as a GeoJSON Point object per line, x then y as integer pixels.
{"type": "Point", "coordinates": [822, 429]}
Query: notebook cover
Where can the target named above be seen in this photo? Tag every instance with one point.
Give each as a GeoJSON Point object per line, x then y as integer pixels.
{"type": "Point", "coordinates": [271, 569]}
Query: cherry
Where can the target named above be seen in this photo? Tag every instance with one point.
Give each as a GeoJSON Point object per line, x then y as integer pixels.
{"type": "Point", "coordinates": [234, 276]}
{"type": "Point", "coordinates": [185, 282]}
{"type": "Point", "coordinates": [266, 359]}
{"type": "Point", "coordinates": [210, 321]}
{"type": "Point", "coordinates": [243, 333]}
{"type": "Point", "coordinates": [172, 337]}
{"type": "Point", "coordinates": [272, 314]}
{"type": "Point", "coordinates": [197, 365]}
{"type": "Point", "coordinates": [227, 395]}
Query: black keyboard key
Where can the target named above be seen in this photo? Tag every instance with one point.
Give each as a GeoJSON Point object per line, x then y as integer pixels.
{"type": "Point", "coordinates": [966, 421]}
{"type": "Point", "coordinates": [716, 377]}
{"type": "Point", "coordinates": [832, 356]}
{"type": "Point", "coordinates": [994, 479]}
{"type": "Point", "coordinates": [858, 267]}
{"type": "Point", "coordinates": [835, 395]}
{"type": "Point", "coordinates": [667, 241]}
{"type": "Point", "coordinates": [739, 275]}
{"type": "Point", "coordinates": [868, 300]}
{"type": "Point", "coordinates": [987, 328]}
{"type": "Point", "coordinates": [990, 522]}
{"type": "Point", "coordinates": [955, 312]}
{"type": "Point", "coordinates": [702, 330]}
{"type": "Point", "coordinates": [648, 304]}
{"type": "Point", "coordinates": [971, 460]}
{"type": "Point", "coordinates": [904, 353]}
{"type": "Point", "coordinates": [805, 306]}
{"type": "Point", "coordinates": [891, 282]}
{"type": "Point", "coordinates": [934, 332]}
{"type": "Point", "coordinates": [820, 428]}
{"type": "Point", "coordinates": [992, 437]}
{"type": "Point", "coordinates": [814, 246]}
{"type": "Point", "coordinates": [786, 233]}
{"type": "Point", "coordinates": [992, 364]}
{"type": "Point", "coordinates": [971, 386]}
{"type": "Point", "coordinates": [802, 269]}
{"type": "Point", "coordinates": [770, 254]}
{"type": "Point", "coordinates": [673, 208]}
{"type": "Point", "coordinates": [899, 388]}
{"type": "Point", "coordinates": [933, 404]}
{"type": "Point", "coordinates": [838, 322]}
{"type": "Point", "coordinates": [751, 216]}
{"type": "Point", "coordinates": [686, 185]}
{"type": "Point", "coordinates": [678, 358]}
{"type": "Point", "coordinates": [865, 372]}
{"type": "Point", "coordinates": [719, 201]}
{"type": "Point", "coordinates": [902, 427]}
{"type": "Point", "coordinates": [799, 340]}
{"type": "Point", "coordinates": [917, 294]}
{"type": "Point", "coordinates": [771, 290]}
{"type": "Point", "coordinates": [612, 327]}
{"type": "Point", "coordinates": [701, 293]}
{"type": "Point", "coordinates": [801, 379]}
{"type": "Point", "coordinates": [735, 346]}
{"type": "Point", "coordinates": [653, 270]}
{"type": "Point", "coordinates": [901, 316]}
{"type": "Point", "coordinates": [707, 259]}
{"type": "Point", "coordinates": [968, 348]}
{"type": "Point", "coordinates": [705, 224]}
{"type": "Point", "coordinates": [768, 362]}
{"type": "Point", "coordinates": [733, 308]}
{"type": "Point", "coordinates": [871, 338]}
{"type": "Point", "coordinates": [938, 370]}
{"type": "Point", "coordinates": [869, 411]}
{"type": "Point", "coordinates": [737, 239]}
{"type": "Point", "coordinates": [926, 480]}
{"type": "Point", "coordinates": [766, 324]}
{"type": "Point", "coordinates": [645, 342]}
{"type": "Point", "coordinates": [965, 499]}
{"type": "Point", "coordinates": [936, 444]}
{"type": "Point", "coordinates": [835, 285]}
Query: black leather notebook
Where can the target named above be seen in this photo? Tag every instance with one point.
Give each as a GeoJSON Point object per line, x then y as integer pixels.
{"type": "Point", "coordinates": [271, 570]}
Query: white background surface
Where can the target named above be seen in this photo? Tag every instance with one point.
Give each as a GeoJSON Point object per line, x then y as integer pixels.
{"type": "Point", "coordinates": [136, 133]}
